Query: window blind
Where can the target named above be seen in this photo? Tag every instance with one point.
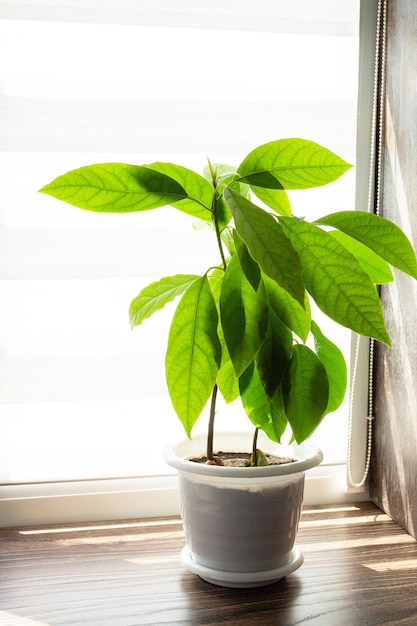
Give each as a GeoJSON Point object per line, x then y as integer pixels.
{"type": "Point", "coordinates": [319, 17]}
{"type": "Point", "coordinates": [82, 397]}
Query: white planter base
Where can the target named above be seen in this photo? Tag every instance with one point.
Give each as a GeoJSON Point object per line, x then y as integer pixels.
{"type": "Point", "coordinates": [242, 580]}
{"type": "Point", "coordinates": [240, 523]}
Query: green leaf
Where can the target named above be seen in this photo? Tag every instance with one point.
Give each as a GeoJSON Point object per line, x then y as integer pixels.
{"type": "Point", "coordinates": [279, 419]}
{"type": "Point", "coordinates": [296, 317]}
{"type": "Point", "coordinates": [156, 295]}
{"type": "Point", "coordinates": [227, 381]}
{"type": "Point", "coordinates": [336, 280]}
{"type": "Point", "coordinates": [256, 404]}
{"type": "Point", "coordinates": [378, 269]}
{"type": "Point", "coordinates": [223, 213]}
{"type": "Point", "coordinates": [267, 244]}
{"type": "Point", "coordinates": [291, 164]}
{"type": "Point", "coordinates": [277, 199]}
{"type": "Point", "coordinates": [274, 354]}
{"type": "Point", "coordinates": [226, 175]}
{"type": "Point", "coordinates": [219, 170]}
{"type": "Point", "coordinates": [215, 280]}
{"type": "Point", "coordinates": [249, 267]}
{"type": "Point", "coordinates": [198, 189]}
{"type": "Point", "coordinates": [335, 365]}
{"type": "Point", "coordinates": [194, 353]}
{"type": "Point", "coordinates": [243, 314]}
{"type": "Point", "coordinates": [115, 188]}
{"type": "Point", "coordinates": [227, 237]}
{"type": "Point", "coordinates": [305, 392]}
{"type": "Point", "coordinates": [377, 233]}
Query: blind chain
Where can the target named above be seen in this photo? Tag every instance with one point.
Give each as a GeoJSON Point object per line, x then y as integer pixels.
{"type": "Point", "coordinates": [374, 188]}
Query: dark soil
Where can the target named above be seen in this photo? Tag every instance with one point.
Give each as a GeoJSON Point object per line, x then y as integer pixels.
{"type": "Point", "coordinates": [241, 459]}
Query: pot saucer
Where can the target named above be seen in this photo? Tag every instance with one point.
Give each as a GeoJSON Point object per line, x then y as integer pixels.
{"type": "Point", "coordinates": [242, 579]}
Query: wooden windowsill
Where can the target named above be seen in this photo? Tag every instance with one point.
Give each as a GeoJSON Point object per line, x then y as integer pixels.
{"type": "Point", "coordinates": [360, 569]}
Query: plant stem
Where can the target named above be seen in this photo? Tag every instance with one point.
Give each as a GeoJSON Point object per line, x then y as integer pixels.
{"type": "Point", "coordinates": [255, 447]}
{"type": "Point", "coordinates": [215, 209]}
{"type": "Point", "coordinates": [218, 235]}
{"type": "Point", "coordinates": [215, 213]}
{"type": "Point", "coordinates": [210, 434]}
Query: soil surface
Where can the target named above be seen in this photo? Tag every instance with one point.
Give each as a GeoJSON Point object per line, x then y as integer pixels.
{"type": "Point", "coordinates": [241, 459]}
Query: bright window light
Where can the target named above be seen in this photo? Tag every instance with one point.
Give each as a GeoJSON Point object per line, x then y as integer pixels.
{"type": "Point", "coordinates": [82, 396]}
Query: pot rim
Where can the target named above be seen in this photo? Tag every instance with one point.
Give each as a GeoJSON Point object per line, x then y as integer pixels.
{"type": "Point", "coordinates": [177, 455]}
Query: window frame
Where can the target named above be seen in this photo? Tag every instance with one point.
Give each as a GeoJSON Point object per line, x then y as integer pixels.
{"type": "Point", "coordinates": [156, 496]}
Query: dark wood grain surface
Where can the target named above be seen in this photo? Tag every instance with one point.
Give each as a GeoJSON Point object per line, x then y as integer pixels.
{"type": "Point", "coordinates": [360, 569]}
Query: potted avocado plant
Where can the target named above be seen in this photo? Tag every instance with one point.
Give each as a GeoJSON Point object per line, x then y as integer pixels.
{"type": "Point", "coordinates": [245, 329]}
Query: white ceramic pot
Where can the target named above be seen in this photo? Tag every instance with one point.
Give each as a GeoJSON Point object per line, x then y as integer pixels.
{"type": "Point", "coordinates": [240, 524]}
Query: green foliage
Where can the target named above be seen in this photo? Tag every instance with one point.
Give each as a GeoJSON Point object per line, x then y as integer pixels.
{"type": "Point", "coordinates": [305, 391]}
{"type": "Point", "coordinates": [116, 188]}
{"type": "Point", "coordinates": [243, 314]}
{"type": "Point", "coordinates": [274, 354]}
{"type": "Point", "coordinates": [291, 164]}
{"type": "Point", "coordinates": [258, 406]}
{"type": "Point", "coordinates": [293, 314]}
{"type": "Point", "coordinates": [276, 199]}
{"type": "Point", "coordinates": [156, 295]}
{"type": "Point", "coordinates": [244, 325]}
{"type": "Point", "coordinates": [335, 366]}
{"type": "Point", "coordinates": [227, 381]}
{"type": "Point", "coordinates": [378, 234]}
{"type": "Point", "coordinates": [336, 280]}
{"type": "Point", "coordinates": [193, 353]}
{"type": "Point", "coordinates": [378, 269]}
{"type": "Point", "coordinates": [267, 244]}
{"type": "Point", "coordinates": [198, 190]}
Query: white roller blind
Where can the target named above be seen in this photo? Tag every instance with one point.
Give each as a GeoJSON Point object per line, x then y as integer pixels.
{"type": "Point", "coordinates": [322, 17]}
{"type": "Point", "coordinates": [82, 397]}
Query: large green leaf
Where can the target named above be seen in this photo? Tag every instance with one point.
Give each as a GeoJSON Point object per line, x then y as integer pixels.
{"type": "Point", "coordinates": [249, 267]}
{"type": "Point", "coordinates": [243, 313]}
{"type": "Point", "coordinates": [291, 164]}
{"type": "Point", "coordinates": [257, 406]}
{"type": "Point", "coordinates": [115, 188]}
{"type": "Point", "coordinates": [277, 199]}
{"type": "Point", "coordinates": [156, 295]}
{"type": "Point", "coordinates": [378, 269]}
{"type": "Point", "coordinates": [215, 279]}
{"type": "Point", "coordinates": [274, 354]}
{"type": "Point", "coordinates": [336, 280]}
{"type": "Point", "coordinates": [198, 189]}
{"type": "Point", "coordinates": [279, 418]}
{"type": "Point", "coordinates": [379, 234]}
{"type": "Point", "coordinates": [267, 244]}
{"type": "Point", "coordinates": [305, 390]}
{"type": "Point", "coordinates": [227, 381]}
{"type": "Point", "coordinates": [290, 311]}
{"type": "Point", "coordinates": [335, 365]}
{"type": "Point", "coordinates": [194, 352]}
{"type": "Point", "coordinates": [223, 213]}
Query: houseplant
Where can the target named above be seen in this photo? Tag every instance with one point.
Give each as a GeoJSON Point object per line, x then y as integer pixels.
{"type": "Point", "coordinates": [244, 328]}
